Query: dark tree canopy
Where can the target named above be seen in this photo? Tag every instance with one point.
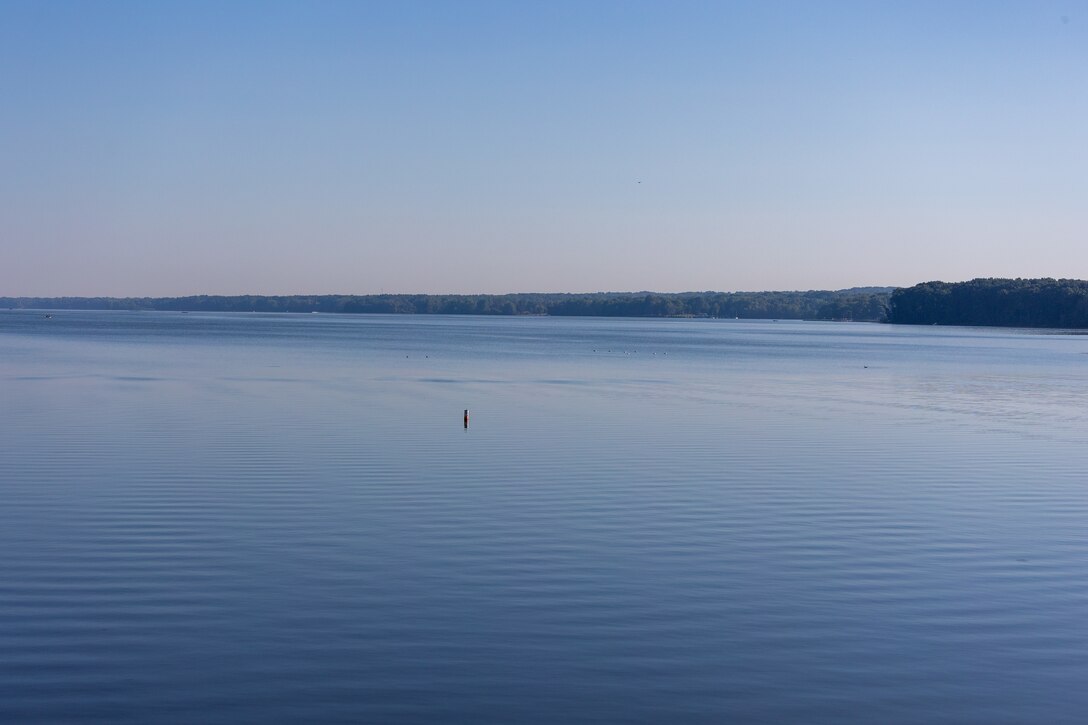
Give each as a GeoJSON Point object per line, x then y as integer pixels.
{"type": "Point", "coordinates": [993, 302]}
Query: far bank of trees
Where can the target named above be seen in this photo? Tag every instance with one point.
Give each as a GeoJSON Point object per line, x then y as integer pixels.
{"type": "Point", "coordinates": [868, 304]}
{"type": "Point", "coordinates": [993, 302]}
{"type": "Point", "coordinates": [1056, 303]}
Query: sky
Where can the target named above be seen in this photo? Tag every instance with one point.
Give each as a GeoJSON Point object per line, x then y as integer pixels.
{"type": "Point", "coordinates": [175, 148]}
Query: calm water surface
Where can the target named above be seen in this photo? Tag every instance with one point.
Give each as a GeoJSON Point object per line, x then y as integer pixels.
{"type": "Point", "coordinates": [262, 518]}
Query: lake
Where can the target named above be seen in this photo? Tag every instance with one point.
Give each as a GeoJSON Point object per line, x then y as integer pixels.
{"type": "Point", "coordinates": [226, 518]}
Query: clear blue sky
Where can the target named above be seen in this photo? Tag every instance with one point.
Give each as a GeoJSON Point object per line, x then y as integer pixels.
{"type": "Point", "coordinates": [157, 148]}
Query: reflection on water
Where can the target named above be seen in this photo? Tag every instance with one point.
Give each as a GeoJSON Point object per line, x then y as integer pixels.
{"type": "Point", "coordinates": [224, 518]}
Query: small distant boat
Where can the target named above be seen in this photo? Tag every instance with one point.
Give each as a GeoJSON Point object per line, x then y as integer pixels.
{"type": "Point", "coordinates": [49, 317]}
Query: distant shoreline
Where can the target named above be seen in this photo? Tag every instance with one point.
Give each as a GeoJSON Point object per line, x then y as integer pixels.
{"type": "Point", "coordinates": [861, 304]}
{"type": "Point", "coordinates": [985, 302]}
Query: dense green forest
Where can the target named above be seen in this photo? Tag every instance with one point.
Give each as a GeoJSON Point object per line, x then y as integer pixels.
{"type": "Point", "coordinates": [993, 302]}
{"type": "Point", "coordinates": [866, 303]}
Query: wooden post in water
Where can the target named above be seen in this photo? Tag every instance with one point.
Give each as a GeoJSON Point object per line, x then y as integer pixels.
{"type": "Point", "coordinates": [466, 417]}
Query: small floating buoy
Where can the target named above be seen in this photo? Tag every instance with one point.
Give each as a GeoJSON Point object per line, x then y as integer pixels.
{"type": "Point", "coordinates": [466, 418]}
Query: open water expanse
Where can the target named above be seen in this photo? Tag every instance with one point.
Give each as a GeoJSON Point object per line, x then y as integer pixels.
{"type": "Point", "coordinates": [243, 518]}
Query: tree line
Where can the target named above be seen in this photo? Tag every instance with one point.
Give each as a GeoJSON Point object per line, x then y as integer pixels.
{"type": "Point", "coordinates": [1056, 303]}
{"type": "Point", "coordinates": [863, 304]}
{"type": "Point", "coordinates": [993, 302]}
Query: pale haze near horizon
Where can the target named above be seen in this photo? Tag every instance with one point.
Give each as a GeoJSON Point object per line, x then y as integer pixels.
{"type": "Point", "coordinates": [277, 148]}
